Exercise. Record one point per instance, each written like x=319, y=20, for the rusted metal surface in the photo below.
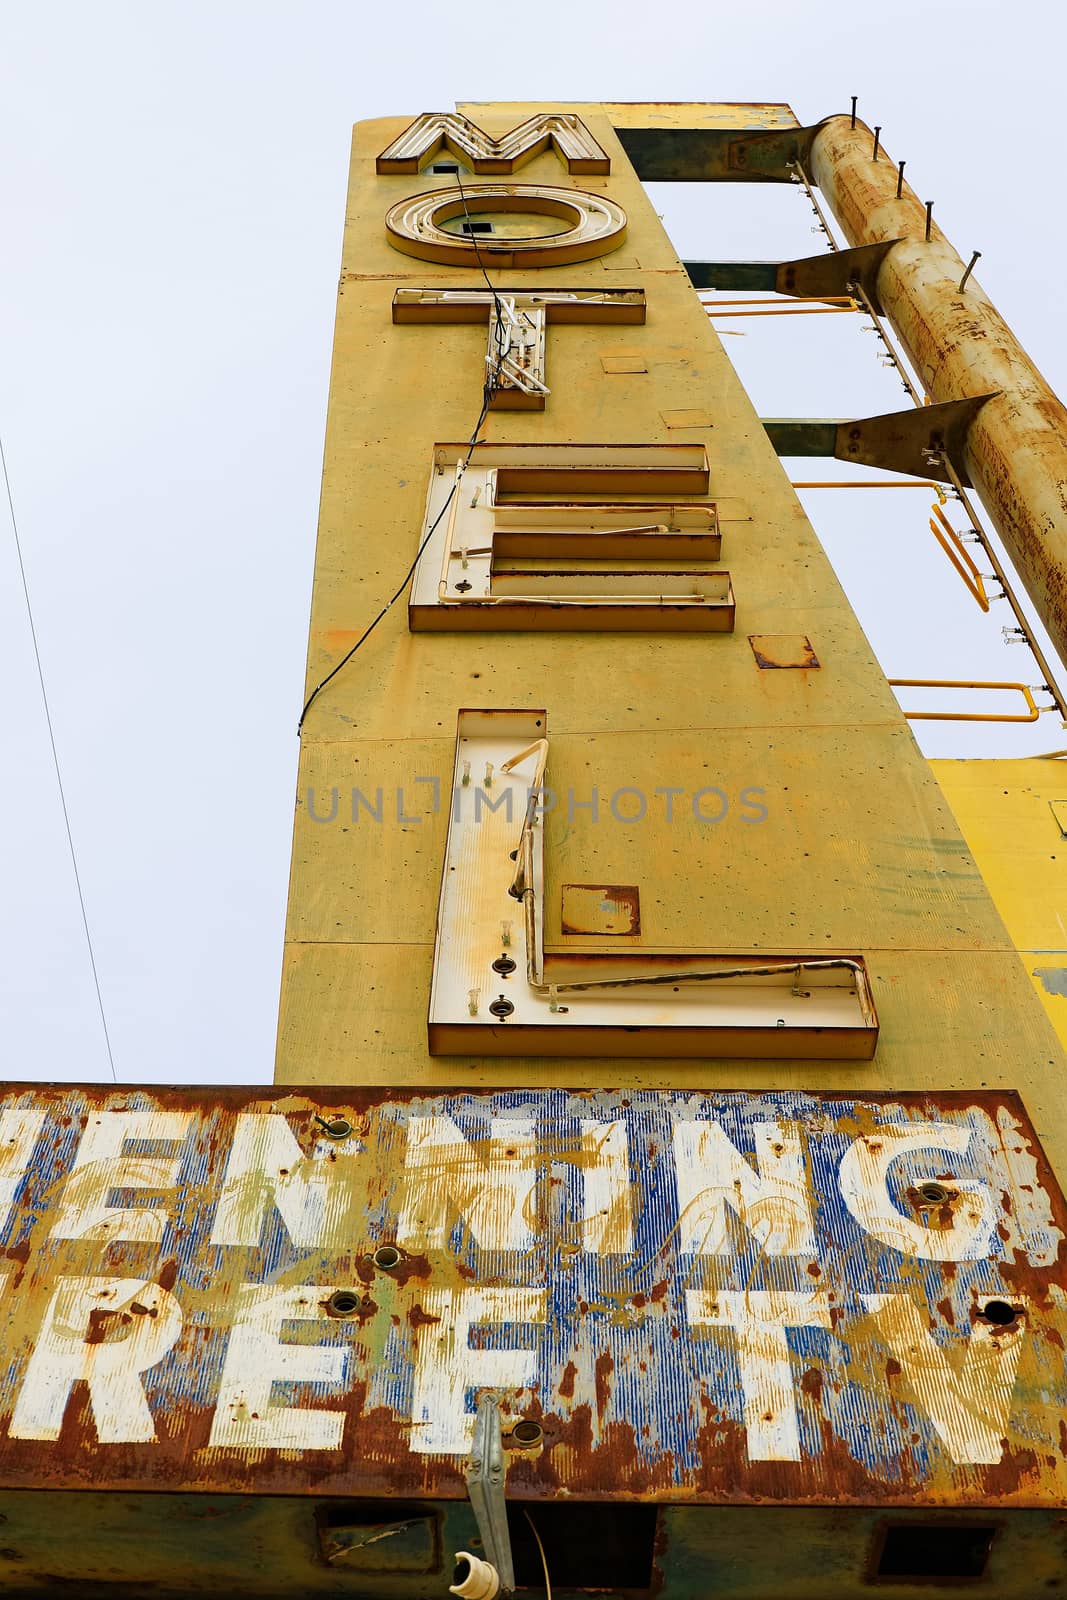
x=715, y=155
x=601, y=908
x=773, y=650
x=93, y=1545
x=715, y=1297
x=1016, y=446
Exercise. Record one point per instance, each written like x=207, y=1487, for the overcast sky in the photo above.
x=173, y=180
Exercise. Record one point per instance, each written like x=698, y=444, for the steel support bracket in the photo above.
x=916, y=442
x=485, y=1474
x=717, y=155
x=823, y=277
x=836, y=273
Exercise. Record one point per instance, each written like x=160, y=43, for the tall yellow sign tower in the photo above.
x=617, y=868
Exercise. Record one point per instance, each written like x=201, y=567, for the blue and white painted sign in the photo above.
x=716, y=1296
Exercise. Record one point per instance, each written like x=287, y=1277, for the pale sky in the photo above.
x=172, y=189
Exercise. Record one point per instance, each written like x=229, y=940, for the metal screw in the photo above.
x=900, y=180
x=877, y=137
x=929, y=218
x=853, y=122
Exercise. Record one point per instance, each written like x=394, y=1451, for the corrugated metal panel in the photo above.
x=720, y=1297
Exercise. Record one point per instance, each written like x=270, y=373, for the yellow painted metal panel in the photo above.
x=1012, y=815
x=858, y=849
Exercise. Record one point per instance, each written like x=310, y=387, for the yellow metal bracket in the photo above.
x=1033, y=710
x=959, y=555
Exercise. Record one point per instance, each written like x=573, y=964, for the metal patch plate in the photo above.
x=601, y=908
x=713, y=1297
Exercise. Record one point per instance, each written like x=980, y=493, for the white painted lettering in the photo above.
x=968, y=1404
x=488, y=1185
x=446, y=1366
x=101, y=1166
x=772, y=1202
x=267, y=1168
x=104, y=1332
x=607, y=1215
x=863, y=1179
x=759, y=1319
x=245, y=1417
x=19, y=1131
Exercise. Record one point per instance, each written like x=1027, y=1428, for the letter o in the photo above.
x=590, y=225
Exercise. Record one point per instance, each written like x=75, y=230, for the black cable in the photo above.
x=408, y=575
x=491, y=385
x=473, y=237
x=502, y=340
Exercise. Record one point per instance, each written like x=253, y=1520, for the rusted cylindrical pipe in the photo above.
x=1016, y=450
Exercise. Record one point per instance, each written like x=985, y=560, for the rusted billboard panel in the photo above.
x=708, y=1296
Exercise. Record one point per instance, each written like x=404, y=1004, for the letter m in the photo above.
x=434, y=131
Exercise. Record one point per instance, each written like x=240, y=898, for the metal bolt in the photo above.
x=854, y=99
x=929, y=218
x=900, y=180
x=527, y=1434
x=336, y=1127
x=344, y=1303
x=877, y=137
x=970, y=269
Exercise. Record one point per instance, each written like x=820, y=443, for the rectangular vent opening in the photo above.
x=477, y=227
x=598, y=1545
x=931, y=1552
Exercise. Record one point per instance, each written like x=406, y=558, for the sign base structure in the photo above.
x=262, y=1321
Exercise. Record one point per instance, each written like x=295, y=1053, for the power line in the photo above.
x=55, y=760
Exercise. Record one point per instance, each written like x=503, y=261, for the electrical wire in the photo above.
x=492, y=384
x=55, y=761
x=473, y=237
x=431, y=530
x=540, y=1546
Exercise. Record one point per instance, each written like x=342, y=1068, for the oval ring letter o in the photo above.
x=590, y=225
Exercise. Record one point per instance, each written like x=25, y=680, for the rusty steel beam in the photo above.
x=1015, y=451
